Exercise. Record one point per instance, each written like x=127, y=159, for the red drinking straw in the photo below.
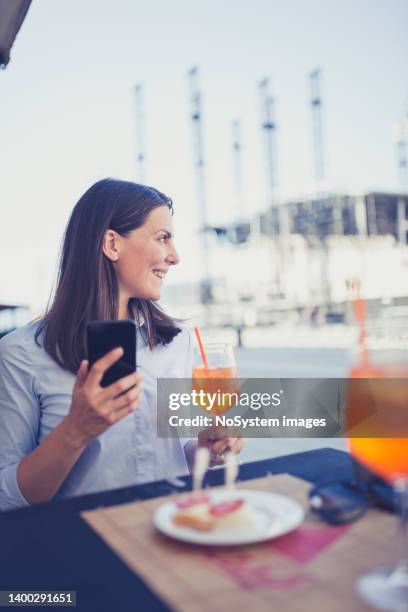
x=360, y=312
x=201, y=347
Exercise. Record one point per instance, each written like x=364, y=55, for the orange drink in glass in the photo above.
x=377, y=425
x=387, y=391
x=219, y=379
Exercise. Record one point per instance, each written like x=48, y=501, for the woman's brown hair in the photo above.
x=87, y=287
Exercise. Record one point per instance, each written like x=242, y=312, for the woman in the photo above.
x=60, y=435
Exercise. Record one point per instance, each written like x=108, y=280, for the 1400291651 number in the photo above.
x=39, y=598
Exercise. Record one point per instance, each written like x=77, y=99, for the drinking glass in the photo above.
x=377, y=423
x=219, y=376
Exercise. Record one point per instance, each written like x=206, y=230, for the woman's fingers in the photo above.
x=119, y=414
x=237, y=446
x=126, y=398
x=227, y=444
x=205, y=436
x=115, y=409
x=95, y=409
x=122, y=385
x=99, y=368
x=81, y=375
x=220, y=446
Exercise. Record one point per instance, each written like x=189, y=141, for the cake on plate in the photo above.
x=193, y=512
x=202, y=513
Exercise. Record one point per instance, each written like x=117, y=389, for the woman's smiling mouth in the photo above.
x=160, y=273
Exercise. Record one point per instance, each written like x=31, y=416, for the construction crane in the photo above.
x=199, y=165
x=140, y=145
x=239, y=233
x=316, y=102
x=268, y=126
x=401, y=140
x=237, y=158
x=319, y=175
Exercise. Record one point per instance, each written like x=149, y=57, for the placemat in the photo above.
x=314, y=567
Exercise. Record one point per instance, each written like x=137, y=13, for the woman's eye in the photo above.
x=163, y=239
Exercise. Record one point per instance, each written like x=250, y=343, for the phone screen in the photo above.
x=102, y=337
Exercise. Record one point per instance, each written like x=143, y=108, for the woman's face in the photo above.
x=145, y=255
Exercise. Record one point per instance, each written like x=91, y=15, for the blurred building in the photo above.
x=304, y=255
x=367, y=214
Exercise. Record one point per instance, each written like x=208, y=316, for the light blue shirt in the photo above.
x=35, y=395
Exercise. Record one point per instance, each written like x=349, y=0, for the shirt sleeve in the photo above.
x=19, y=419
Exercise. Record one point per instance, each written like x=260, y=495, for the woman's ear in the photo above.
x=110, y=246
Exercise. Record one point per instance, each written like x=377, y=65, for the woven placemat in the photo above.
x=313, y=568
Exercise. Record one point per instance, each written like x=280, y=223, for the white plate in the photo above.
x=274, y=515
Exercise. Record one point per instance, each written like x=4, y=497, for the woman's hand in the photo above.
x=94, y=408
x=218, y=446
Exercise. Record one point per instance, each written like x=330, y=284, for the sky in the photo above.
x=67, y=110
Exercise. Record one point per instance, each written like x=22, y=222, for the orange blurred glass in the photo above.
x=220, y=379
x=377, y=426
x=379, y=408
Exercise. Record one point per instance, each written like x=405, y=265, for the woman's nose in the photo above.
x=172, y=256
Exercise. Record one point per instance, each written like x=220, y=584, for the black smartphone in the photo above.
x=102, y=337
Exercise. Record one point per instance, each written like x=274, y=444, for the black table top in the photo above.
x=49, y=547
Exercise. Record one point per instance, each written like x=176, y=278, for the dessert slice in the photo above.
x=194, y=512
x=231, y=514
